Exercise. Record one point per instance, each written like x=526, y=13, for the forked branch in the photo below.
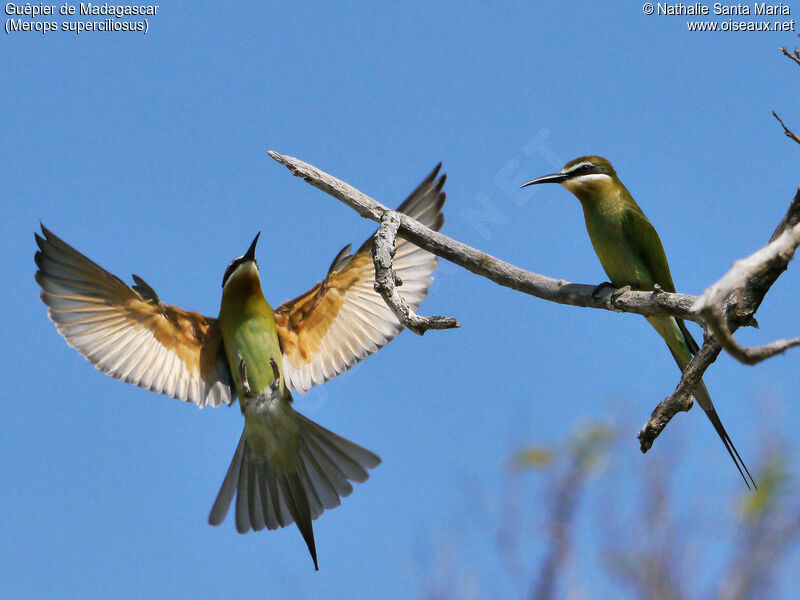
x=713, y=303
x=795, y=56
x=386, y=280
x=647, y=303
x=728, y=304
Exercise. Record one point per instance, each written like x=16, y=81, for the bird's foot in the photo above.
x=604, y=288
x=619, y=291
x=272, y=395
x=243, y=377
x=268, y=397
x=275, y=386
x=610, y=290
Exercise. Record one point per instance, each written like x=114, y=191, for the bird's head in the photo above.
x=243, y=268
x=586, y=177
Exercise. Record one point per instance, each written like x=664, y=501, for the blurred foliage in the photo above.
x=586, y=448
x=535, y=457
x=773, y=485
x=648, y=548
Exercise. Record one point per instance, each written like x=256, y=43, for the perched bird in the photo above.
x=632, y=255
x=286, y=468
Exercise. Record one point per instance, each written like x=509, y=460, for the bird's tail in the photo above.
x=275, y=494
x=704, y=400
x=682, y=346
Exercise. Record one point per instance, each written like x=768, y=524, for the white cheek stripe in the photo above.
x=592, y=177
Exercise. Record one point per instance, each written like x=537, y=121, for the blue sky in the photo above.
x=148, y=153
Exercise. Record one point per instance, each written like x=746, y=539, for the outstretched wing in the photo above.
x=127, y=332
x=342, y=319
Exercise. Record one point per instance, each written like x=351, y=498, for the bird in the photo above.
x=286, y=468
x=632, y=255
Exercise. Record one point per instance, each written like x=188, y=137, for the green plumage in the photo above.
x=286, y=468
x=249, y=335
x=632, y=255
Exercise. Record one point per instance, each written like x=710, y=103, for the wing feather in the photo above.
x=131, y=337
x=342, y=320
x=644, y=238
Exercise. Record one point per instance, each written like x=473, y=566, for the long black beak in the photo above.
x=251, y=251
x=552, y=178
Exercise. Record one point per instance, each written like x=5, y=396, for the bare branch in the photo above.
x=386, y=280
x=681, y=399
x=713, y=303
x=750, y=356
x=649, y=303
x=740, y=301
x=740, y=295
x=790, y=134
x=790, y=219
x=740, y=292
x=795, y=57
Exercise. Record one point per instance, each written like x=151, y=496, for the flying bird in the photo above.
x=632, y=255
x=286, y=469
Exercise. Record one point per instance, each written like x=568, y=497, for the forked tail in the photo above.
x=682, y=346
x=704, y=400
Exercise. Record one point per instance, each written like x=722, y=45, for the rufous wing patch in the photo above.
x=342, y=319
x=131, y=337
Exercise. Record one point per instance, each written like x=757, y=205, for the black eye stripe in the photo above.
x=231, y=268
x=588, y=169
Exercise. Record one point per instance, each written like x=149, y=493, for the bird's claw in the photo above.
x=243, y=377
x=276, y=381
x=609, y=289
x=618, y=292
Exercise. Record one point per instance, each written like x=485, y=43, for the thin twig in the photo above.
x=788, y=132
x=756, y=354
x=386, y=280
x=795, y=57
